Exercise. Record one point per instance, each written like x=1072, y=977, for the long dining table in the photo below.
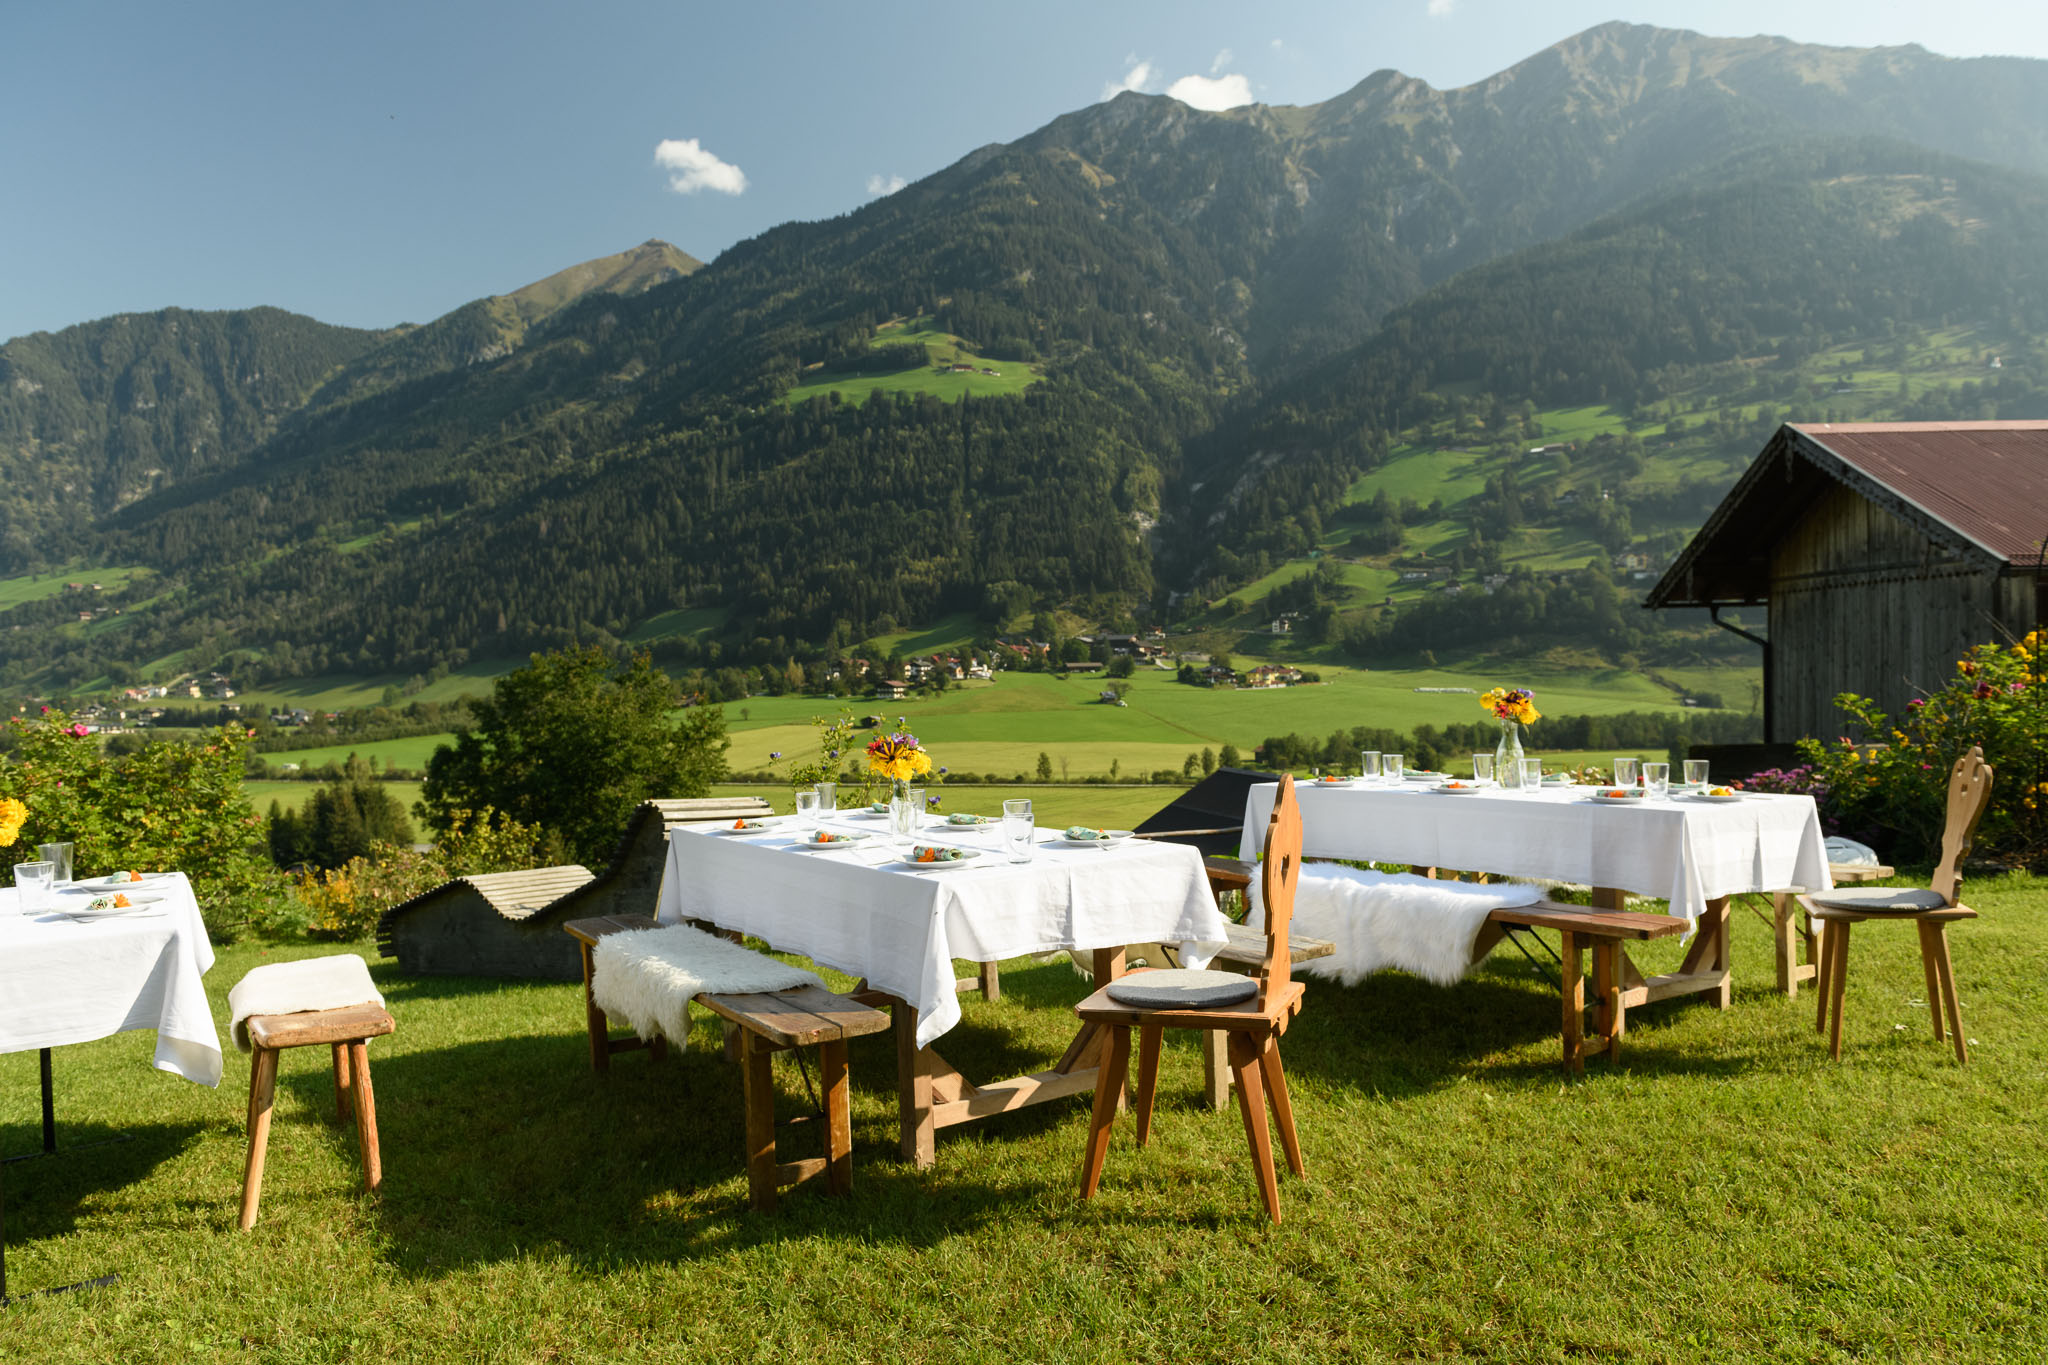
x=898, y=927
x=1694, y=854
x=66, y=980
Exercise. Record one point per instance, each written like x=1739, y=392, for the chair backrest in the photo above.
x=1279, y=871
x=1969, y=795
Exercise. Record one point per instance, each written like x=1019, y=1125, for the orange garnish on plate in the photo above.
x=134, y=876
x=121, y=901
x=927, y=855
x=739, y=824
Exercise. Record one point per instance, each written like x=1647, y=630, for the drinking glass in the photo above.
x=1369, y=765
x=828, y=797
x=1624, y=772
x=1695, y=772
x=59, y=857
x=1532, y=774
x=32, y=885
x=1482, y=767
x=1657, y=779
x=807, y=809
x=1019, y=834
x=1390, y=767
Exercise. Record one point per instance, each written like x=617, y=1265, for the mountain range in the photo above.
x=1131, y=363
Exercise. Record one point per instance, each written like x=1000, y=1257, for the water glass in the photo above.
x=1482, y=767
x=1624, y=772
x=1695, y=772
x=1532, y=774
x=32, y=885
x=807, y=809
x=1019, y=834
x=59, y=857
x=1657, y=779
x=828, y=797
x=1369, y=765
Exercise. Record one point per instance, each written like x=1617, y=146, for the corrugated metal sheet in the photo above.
x=1986, y=480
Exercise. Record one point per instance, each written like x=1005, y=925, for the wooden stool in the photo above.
x=348, y=1031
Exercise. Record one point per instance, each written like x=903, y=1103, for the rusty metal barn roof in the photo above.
x=1976, y=489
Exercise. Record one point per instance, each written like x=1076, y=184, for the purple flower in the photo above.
x=835, y=753
x=942, y=772
x=931, y=800
x=774, y=754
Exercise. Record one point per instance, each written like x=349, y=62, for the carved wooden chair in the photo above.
x=1251, y=1011
x=1930, y=911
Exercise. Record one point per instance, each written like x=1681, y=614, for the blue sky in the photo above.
x=370, y=163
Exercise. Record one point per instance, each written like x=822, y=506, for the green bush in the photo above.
x=170, y=804
x=1892, y=778
x=345, y=903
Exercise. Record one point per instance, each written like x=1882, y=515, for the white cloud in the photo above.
x=691, y=168
x=1203, y=92
x=1223, y=59
x=1441, y=9
x=1138, y=77
x=885, y=184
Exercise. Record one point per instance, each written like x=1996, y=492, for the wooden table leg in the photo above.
x=1216, y=1068
x=1783, y=911
x=1838, y=978
x=1574, y=993
x=913, y=1088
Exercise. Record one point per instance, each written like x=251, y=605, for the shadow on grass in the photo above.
x=46, y=1194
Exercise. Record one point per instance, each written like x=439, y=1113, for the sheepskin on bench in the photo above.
x=647, y=978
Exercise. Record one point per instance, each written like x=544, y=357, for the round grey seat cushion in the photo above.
x=1879, y=900
x=1182, y=989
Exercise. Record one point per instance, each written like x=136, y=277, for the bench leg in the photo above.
x=838, y=1117
x=757, y=1082
x=991, y=981
x=1607, y=1007
x=366, y=1114
x=262, y=1089
x=594, y=1020
x=1574, y=993
x=1838, y=980
x=1216, y=1068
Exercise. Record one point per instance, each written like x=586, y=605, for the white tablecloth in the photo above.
x=62, y=981
x=1687, y=852
x=901, y=929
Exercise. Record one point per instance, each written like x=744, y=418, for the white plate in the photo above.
x=968, y=855
x=1717, y=800
x=751, y=827
x=141, y=904
x=1423, y=775
x=1606, y=800
x=1462, y=789
x=970, y=822
x=98, y=884
x=1109, y=837
x=837, y=841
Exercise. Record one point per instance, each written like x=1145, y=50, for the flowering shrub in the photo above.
x=1897, y=779
x=172, y=804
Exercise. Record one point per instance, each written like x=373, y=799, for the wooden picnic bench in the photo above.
x=762, y=1024
x=1616, y=982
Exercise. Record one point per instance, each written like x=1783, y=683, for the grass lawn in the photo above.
x=294, y=795
x=41, y=586
x=410, y=752
x=1724, y=1194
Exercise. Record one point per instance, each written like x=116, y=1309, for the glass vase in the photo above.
x=1507, y=756
x=902, y=810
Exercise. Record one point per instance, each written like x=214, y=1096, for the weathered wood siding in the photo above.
x=456, y=932
x=1861, y=602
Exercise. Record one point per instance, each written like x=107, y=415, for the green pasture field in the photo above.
x=294, y=795
x=944, y=349
x=1724, y=1193
x=411, y=752
x=337, y=692
x=42, y=586
x=680, y=621
x=1002, y=727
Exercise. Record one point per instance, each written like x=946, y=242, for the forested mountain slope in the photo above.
x=1224, y=320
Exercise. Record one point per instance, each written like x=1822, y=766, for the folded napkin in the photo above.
x=317, y=983
x=1378, y=920
x=647, y=977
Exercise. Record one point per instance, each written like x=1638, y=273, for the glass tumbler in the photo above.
x=828, y=797
x=807, y=809
x=1657, y=780
x=59, y=857
x=1624, y=772
x=32, y=885
x=1369, y=765
x=1482, y=767
x=1390, y=767
x=1532, y=774
x=1019, y=834
x=1695, y=772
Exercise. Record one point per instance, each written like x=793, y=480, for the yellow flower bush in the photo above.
x=12, y=816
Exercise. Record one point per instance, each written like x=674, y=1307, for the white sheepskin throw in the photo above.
x=313, y=983
x=1379, y=920
x=647, y=977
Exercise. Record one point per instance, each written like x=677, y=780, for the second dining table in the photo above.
x=1692, y=853
x=861, y=909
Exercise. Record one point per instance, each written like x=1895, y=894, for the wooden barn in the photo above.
x=1881, y=551
x=510, y=923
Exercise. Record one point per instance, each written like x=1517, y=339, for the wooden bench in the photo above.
x=1616, y=983
x=763, y=1024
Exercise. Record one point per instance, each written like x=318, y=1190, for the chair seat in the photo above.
x=1181, y=988
x=1880, y=900
x=313, y=1027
